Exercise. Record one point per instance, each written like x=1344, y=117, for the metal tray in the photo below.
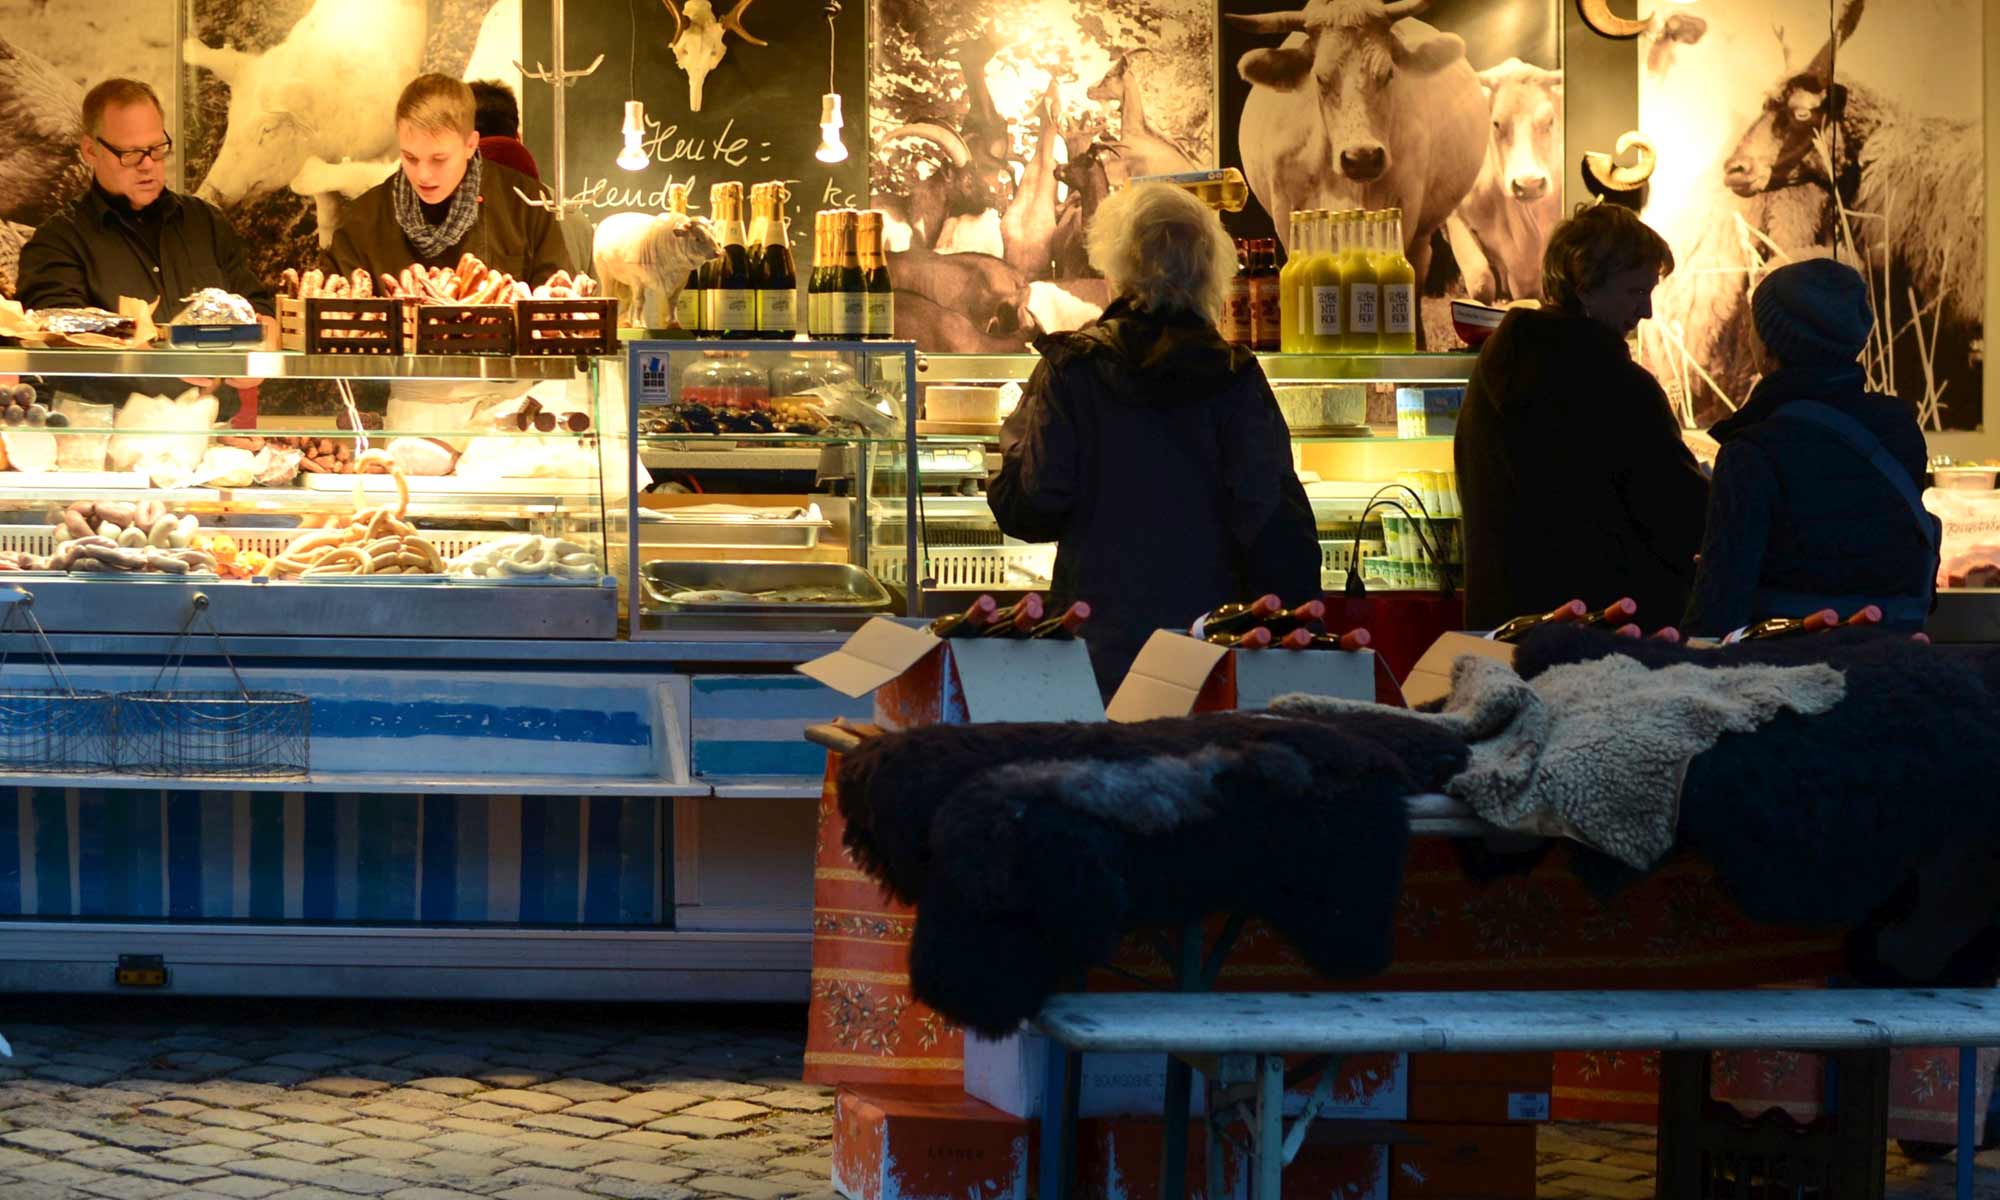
x=668, y=527
x=758, y=577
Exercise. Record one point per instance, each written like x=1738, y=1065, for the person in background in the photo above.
x=1150, y=450
x=447, y=200
x=1571, y=470
x=1817, y=499
x=497, y=117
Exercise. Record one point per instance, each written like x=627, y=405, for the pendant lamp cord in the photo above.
x=832, y=11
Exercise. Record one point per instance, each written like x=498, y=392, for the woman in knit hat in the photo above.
x=1817, y=499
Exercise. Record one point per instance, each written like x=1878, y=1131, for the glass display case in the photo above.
x=342, y=495
x=1371, y=440
x=777, y=485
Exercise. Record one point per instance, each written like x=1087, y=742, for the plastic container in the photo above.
x=723, y=379
x=964, y=405
x=1965, y=479
x=77, y=451
x=804, y=372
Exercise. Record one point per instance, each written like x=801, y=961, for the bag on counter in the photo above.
x=169, y=435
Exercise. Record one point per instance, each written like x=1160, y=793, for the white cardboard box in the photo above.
x=1008, y=1075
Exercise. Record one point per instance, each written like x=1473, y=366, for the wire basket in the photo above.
x=50, y=731
x=237, y=734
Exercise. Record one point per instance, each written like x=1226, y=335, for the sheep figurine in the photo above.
x=643, y=259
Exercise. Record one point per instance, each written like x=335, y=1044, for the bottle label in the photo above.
x=1325, y=309
x=851, y=313
x=1361, y=302
x=735, y=309
x=709, y=312
x=881, y=314
x=687, y=309
x=815, y=313
x=778, y=311
x=1398, y=308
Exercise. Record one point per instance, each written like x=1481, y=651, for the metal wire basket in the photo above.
x=50, y=731
x=237, y=734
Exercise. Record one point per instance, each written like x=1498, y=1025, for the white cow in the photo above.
x=328, y=91
x=1503, y=224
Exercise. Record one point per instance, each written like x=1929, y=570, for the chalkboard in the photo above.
x=759, y=118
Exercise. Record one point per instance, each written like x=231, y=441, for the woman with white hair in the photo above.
x=1150, y=450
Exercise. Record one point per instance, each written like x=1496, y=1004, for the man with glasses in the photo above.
x=129, y=235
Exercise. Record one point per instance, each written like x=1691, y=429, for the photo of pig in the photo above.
x=1823, y=127
x=1450, y=110
x=997, y=127
x=48, y=58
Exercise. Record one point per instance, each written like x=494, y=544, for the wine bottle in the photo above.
x=879, y=305
x=734, y=300
x=1869, y=615
x=1064, y=628
x=851, y=290
x=1017, y=620
x=1667, y=634
x=1231, y=618
x=1778, y=627
x=1512, y=631
x=1351, y=641
x=777, y=278
x=816, y=280
x=1285, y=622
x=1620, y=613
x=687, y=305
x=1255, y=638
x=967, y=623
x=1298, y=639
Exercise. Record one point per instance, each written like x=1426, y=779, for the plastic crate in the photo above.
x=966, y=568
x=484, y=329
x=552, y=327
x=1710, y=1151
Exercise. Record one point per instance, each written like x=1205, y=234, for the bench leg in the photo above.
x=1173, y=1140
x=1968, y=1097
x=1062, y=1091
x=1270, y=1155
x=1684, y=1078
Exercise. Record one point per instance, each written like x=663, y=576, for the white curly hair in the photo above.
x=1164, y=249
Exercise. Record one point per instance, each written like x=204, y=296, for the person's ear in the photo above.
x=472, y=143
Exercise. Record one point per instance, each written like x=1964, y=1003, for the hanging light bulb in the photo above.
x=831, y=148
x=634, y=157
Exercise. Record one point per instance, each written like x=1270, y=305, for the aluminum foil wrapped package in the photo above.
x=85, y=320
x=213, y=306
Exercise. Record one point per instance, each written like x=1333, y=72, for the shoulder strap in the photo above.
x=1870, y=447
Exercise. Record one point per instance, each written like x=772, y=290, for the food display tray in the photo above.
x=671, y=527
x=660, y=578
x=385, y=485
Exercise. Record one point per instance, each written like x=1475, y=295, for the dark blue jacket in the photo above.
x=1795, y=509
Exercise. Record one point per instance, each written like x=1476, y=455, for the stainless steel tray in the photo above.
x=663, y=579
x=666, y=527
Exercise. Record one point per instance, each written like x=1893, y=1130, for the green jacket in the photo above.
x=509, y=235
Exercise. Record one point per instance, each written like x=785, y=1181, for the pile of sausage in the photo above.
x=318, y=456
x=315, y=283
x=470, y=282
x=118, y=537
x=374, y=541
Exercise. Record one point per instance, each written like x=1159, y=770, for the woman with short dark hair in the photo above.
x=1571, y=470
x=1150, y=450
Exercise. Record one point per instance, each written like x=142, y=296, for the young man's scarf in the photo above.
x=430, y=240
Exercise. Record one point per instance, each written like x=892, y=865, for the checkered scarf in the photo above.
x=430, y=240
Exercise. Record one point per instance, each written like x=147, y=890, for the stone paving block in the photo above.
x=307, y=1061
x=463, y=1124
x=61, y=1174
x=243, y=1187
x=538, y=1102
x=604, y=1071
x=428, y=1193
x=174, y=1108
x=300, y=1110
x=469, y=1143
x=344, y=1085
x=627, y=1189
x=384, y=1049
x=575, y=1159
x=646, y=1137
x=391, y=1149
x=622, y=1112
x=539, y=1191
x=808, y=1164
x=228, y=1093
x=103, y=1062
x=233, y=1119
x=463, y=1165
x=305, y=1152
x=234, y=1139
x=105, y=1158
x=421, y=1105
x=435, y=1064
x=308, y=1131
x=581, y=1090
x=175, y=1172
x=53, y=1141
x=85, y=1076
x=356, y=1182
x=126, y=1187
x=481, y=1110
x=632, y=1152
x=135, y=1135
x=512, y=1078
x=745, y=1189
x=796, y=1101
x=204, y=1156
x=279, y=1076
x=642, y=1172
x=726, y=1110
x=382, y=1073
x=573, y=1126
x=381, y=1128
x=520, y=1176
x=449, y=1085
x=662, y=1101
x=701, y=1127
x=11, y=1158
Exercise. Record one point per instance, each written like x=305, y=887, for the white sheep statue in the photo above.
x=643, y=260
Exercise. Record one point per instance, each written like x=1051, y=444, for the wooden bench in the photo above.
x=1239, y=1041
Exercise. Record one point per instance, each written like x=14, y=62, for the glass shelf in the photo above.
x=1279, y=368
x=766, y=441
x=1378, y=439
x=316, y=432
x=282, y=364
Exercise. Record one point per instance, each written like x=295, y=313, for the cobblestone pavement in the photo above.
x=144, y=1098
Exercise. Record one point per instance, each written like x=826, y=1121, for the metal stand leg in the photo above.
x=1062, y=1088
x=1270, y=1126
x=1180, y=1076
x=1968, y=1097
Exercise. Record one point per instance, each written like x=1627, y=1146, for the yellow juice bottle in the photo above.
x=1399, y=288
x=1360, y=287
x=1289, y=320
x=1322, y=277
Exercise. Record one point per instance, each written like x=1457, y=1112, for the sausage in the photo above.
x=313, y=466
x=288, y=282
x=74, y=524
x=363, y=283
x=116, y=512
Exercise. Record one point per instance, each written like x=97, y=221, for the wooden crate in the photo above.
x=459, y=329
x=337, y=325
x=551, y=327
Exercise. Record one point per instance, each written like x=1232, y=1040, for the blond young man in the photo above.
x=447, y=200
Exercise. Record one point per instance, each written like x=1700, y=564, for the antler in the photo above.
x=679, y=22
x=734, y=24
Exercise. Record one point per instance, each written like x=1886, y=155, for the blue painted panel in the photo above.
x=754, y=725
x=10, y=852
x=320, y=850
x=440, y=857
x=52, y=870
x=267, y=856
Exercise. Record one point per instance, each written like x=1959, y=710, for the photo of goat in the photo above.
x=996, y=128
x=1802, y=127
x=1450, y=110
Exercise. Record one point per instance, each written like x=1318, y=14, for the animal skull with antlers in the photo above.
x=697, y=43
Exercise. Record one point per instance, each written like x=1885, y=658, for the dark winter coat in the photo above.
x=1797, y=510
x=98, y=249
x=509, y=234
x=1153, y=453
x=1573, y=477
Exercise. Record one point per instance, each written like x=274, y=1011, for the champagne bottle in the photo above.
x=1512, y=631
x=1285, y=622
x=1619, y=614
x=1298, y=639
x=777, y=279
x=1667, y=634
x=967, y=623
x=1255, y=638
x=753, y=242
x=850, y=289
x=687, y=305
x=1351, y=641
x=1868, y=615
x=1778, y=627
x=1064, y=627
x=879, y=312
x=1399, y=289
x=1359, y=283
x=816, y=280
x=1017, y=620
x=711, y=271
x=1231, y=618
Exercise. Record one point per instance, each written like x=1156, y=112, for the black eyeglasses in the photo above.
x=132, y=158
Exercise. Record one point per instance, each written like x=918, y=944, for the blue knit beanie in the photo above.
x=1813, y=312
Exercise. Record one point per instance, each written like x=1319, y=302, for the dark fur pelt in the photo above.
x=1030, y=849
x=1822, y=820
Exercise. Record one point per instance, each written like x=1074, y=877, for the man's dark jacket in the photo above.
x=95, y=251
x=509, y=234
x=1153, y=453
x=1573, y=476
x=1797, y=510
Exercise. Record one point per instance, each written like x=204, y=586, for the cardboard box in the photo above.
x=1119, y=1158
x=1481, y=1088
x=1008, y=1074
x=1430, y=679
x=919, y=679
x=1175, y=675
x=927, y=1144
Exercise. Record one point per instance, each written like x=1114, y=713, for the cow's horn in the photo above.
x=734, y=24
x=1604, y=170
x=1598, y=15
x=947, y=140
x=1277, y=22
x=1397, y=9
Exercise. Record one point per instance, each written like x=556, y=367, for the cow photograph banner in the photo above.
x=1794, y=128
x=996, y=126
x=1450, y=110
